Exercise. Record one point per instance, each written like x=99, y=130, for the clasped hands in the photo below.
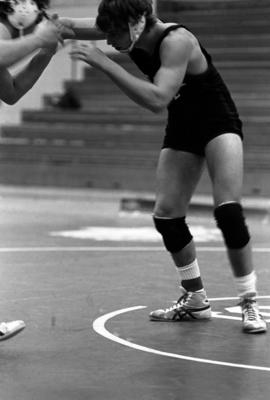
x=52, y=30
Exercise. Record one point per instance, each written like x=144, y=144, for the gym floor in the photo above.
x=84, y=276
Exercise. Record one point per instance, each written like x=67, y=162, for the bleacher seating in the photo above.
x=113, y=143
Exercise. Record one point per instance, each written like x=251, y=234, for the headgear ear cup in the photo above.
x=135, y=31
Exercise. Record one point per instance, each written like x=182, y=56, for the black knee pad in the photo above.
x=174, y=231
x=231, y=221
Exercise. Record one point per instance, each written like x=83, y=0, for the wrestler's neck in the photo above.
x=15, y=33
x=150, y=38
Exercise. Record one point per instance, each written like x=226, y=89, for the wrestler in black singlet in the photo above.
x=201, y=110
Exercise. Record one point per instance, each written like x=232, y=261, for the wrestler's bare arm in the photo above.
x=83, y=28
x=156, y=95
x=14, y=86
x=14, y=50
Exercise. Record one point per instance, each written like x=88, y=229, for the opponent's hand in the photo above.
x=66, y=27
x=48, y=33
x=89, y=54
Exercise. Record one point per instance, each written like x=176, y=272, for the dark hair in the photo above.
x=6, y=7
x=114, y=15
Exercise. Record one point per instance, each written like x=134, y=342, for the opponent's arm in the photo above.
x=175, y=54
x=14, y=50
x=81, y=29
x=13, y=87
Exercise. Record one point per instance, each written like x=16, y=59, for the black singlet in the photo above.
x=202, y=109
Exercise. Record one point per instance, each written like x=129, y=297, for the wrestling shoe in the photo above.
x=191, y=306
x=9, y=329
x=253, y=321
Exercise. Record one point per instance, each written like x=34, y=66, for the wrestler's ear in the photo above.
x=138, y=26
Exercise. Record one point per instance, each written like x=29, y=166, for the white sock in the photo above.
x=190, y=271
x=246, y=284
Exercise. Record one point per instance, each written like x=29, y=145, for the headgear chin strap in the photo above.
x=135, y=32
x=25, y=13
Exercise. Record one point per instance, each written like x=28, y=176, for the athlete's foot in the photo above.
x=10, y=329
x=191, y=306
x=253, y=321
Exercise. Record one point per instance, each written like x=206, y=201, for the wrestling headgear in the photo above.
x=135, y=32
x=24, y=13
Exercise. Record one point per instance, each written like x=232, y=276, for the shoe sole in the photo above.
x=13, y=333
x=254, y=331
x=158, y=319
x=179, y=320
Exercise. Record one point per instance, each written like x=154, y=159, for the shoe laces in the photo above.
x=184, y=298
x=250, y=309
x=179, y=303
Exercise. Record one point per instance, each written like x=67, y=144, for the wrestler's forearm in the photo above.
x=142, y=92
x=12, y=51
x=29, y=75
x=83, y=28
